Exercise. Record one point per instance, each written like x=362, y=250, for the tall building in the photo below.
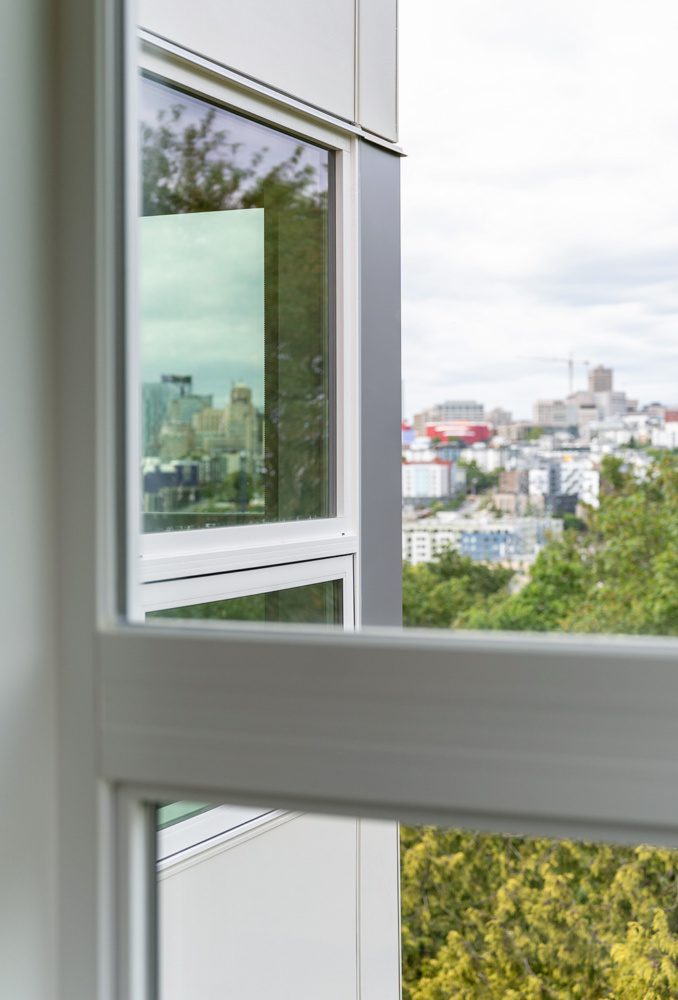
x=600, y=379
x=499, y=416
x=451, y=409
x=551, y=413
x=241, y=420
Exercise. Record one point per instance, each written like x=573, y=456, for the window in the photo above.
x=241, y=372
x=551, y=735
x=236, y=326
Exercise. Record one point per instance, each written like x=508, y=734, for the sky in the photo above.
x=540, y=198
x=203, y=274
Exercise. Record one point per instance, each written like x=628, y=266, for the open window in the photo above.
x=243, y=475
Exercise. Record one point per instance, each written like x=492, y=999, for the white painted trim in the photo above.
x=223, y=586
x=569, y=736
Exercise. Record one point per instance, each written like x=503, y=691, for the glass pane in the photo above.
x=540, y=473
x=469, y=916
x=259, y=903
x=175, y=812
x=235, y=326
x=312, y=604
x=488, y=916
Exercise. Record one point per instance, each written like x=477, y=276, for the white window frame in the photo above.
x=163, y=555
x=557, y=735
x=224, y=586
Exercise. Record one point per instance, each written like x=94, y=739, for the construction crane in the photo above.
x=570, y=361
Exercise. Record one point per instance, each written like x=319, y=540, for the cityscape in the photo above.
x=199, y=458
x=497, y=489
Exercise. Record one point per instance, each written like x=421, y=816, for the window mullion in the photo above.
x=573, y=737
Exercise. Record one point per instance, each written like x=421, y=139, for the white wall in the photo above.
x=277, y=910
x=27, y=510
x=315, y=51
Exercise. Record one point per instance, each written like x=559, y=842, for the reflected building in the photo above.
x=155, y=400
x=242, y=421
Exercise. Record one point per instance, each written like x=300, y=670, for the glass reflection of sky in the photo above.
x=201, y=298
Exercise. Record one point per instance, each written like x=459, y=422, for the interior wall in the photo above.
x=28, y=825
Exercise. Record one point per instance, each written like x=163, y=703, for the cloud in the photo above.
x=201, y=299
x=540, y=209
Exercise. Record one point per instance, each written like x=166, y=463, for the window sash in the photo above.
x=168, y=554
x=175, y=593
x=565, y=736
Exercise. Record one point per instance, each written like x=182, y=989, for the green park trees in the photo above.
x=486, y=916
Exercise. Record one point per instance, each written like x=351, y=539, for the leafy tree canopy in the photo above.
x=513, y=918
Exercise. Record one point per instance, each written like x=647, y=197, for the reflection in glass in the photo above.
x=313, y=604
x=235, y=325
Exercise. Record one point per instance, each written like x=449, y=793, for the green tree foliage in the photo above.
x=435, y=594
x=531, y=919
x=512, y=918
x=619, y=576
x=478, y=481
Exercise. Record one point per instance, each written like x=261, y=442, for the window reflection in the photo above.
x=234, y=317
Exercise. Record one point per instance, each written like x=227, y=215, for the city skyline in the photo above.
x=540, y=211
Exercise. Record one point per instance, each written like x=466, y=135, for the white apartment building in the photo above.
x=539, y=482
x=551, y=413
x=484, y=539
x=427, y=480
x=487, y=458
x=579, y=477
x=456, y=409
x=666, y=436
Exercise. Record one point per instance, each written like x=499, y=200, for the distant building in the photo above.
x=457, y=409
x=500, y=417
x=427, y=480
x=579, y=478
x=483, y=539
x=461, y=430
x=613, y=404
x=241, y=420
x=155, y=400
x=551, y=413
x=451, y=409
x=406, y=433
x=600, y=379
x=514, y=481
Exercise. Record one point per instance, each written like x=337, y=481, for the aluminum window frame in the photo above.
x=557, y=735
x=181, y=553
x=182, y=591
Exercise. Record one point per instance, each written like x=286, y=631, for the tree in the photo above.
x=516, y=917
x=620, y=576
x=486, y=916
x=435, y=594
x=481, y=481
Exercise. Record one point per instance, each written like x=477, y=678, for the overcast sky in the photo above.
x=201, y=300
x=540, y=197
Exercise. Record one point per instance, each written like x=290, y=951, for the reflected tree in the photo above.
x=193, y=165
